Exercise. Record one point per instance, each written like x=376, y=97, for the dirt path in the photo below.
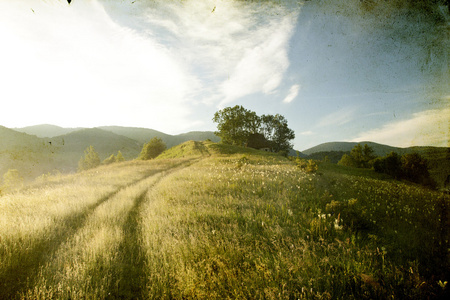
x=129, y=276
x=17, y=278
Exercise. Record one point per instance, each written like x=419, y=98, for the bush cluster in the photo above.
x=412, y=167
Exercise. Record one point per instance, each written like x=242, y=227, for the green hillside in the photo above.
x=379, y=149
x=30, y=155
x=144, y=135
x=211, y=221
x=438, y=157
x=141, y=135
x=72, y=145
x=40, y=149
x=46, y=130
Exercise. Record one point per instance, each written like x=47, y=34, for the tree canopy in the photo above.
x=90, y=160
x=239, y=126
x=359, y=157
x=152, y=149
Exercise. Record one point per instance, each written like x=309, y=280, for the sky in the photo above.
x=336, y=70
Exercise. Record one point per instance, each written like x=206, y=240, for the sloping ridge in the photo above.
x=186, y=149
x=104, y=142
x=30, y=155
x=144, y=135
x=379, y=149
x=46, y=130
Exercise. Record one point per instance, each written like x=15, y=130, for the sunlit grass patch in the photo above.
x=240, y=225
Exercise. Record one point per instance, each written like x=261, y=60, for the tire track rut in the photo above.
x=129, y=277
x=17, y=277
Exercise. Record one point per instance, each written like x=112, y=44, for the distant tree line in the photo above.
x=359, y=157
x=412, y=167
x=91, y=158
x=239, y=126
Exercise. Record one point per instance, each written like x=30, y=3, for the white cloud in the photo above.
x=293, y=92
x=239, y=48
x=426, y=128
x=74, y=66
x=337, y=118
x=306, y=133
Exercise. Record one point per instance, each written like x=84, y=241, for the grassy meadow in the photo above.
x=210, y=221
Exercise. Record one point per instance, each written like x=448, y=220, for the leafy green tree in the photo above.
x=152, y=149
x=282, y=134
x=415, y=169
x=236, y=124
x=239, y=126
x=90, y=160
x=360, y=157
x=368, y=156
x=119, y=157
x=391, y=164
x=357, y=155
x=348, y=161
x=258, y=141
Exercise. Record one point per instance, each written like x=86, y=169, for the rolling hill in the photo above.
x=46, y=130
x=144, y=135
x=438, y=157
x=72, y=145
x=39, y=149
x=30, y=155
x=379, y=149
x=35, y=150
x=214, y=221
x=141, y=135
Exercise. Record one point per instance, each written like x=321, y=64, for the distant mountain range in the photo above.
x=39, y=149
x=35, y=150
x=379, y=149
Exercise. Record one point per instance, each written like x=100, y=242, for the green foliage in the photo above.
x=152, y=149
x=410, y=166
x=119, y=157
x=236, y=124
x=238, y=223
x=239, y=126
x=111, y=159
x=308, y=165
x=350, y=214
x=90, y=160
x=347, y=161
x=359, y=157
x=415, y=167
x=391, y=165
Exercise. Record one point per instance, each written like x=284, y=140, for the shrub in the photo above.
x=391, y=165
x=309, y=166
x=152, y=149
x=412, y=167
x=90, y=160
x=347, y=161
x=111, y=159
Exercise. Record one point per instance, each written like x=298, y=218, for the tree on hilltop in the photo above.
x=90, y=160
x=152, y=149
x=236, y=124
x=119, y=157
x=239, y=126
